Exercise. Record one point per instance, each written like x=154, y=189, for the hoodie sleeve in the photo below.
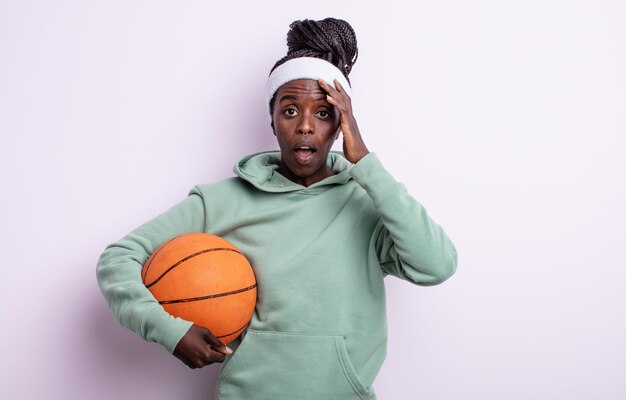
x=407, y=242
x=119, y=273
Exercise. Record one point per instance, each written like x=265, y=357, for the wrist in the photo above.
x=358, y=157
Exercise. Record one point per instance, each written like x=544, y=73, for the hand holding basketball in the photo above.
x=199, y=348
x=206, y=280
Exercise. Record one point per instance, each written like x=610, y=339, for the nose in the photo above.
x=305, y=125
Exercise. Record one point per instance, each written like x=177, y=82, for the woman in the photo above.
x=321, y=230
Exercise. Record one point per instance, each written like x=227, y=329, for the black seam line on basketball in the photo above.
x=211, y=296
x=237, y=331
x=161, y=247
x=187, y=258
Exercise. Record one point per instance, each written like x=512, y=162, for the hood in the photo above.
x=260, y=170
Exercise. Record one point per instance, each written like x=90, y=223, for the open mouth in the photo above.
x=304, y=152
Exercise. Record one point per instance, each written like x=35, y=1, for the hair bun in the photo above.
x=330, y=39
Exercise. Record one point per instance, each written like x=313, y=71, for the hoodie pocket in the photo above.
x=276, y=365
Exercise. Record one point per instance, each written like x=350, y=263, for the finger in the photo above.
x=215, y=343
x=185, y=360
x=216, y=357
x=334, y=87
x=328, y=88
x=323, y=84
x=338, y=86
x=332, y=101
x=208, y=357
x=337, y=93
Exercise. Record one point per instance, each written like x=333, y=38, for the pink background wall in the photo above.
x=506, y=119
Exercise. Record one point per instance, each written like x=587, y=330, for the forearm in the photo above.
x=408, y=242
x=119, y=273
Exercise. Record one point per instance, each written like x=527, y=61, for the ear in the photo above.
x=272, y=115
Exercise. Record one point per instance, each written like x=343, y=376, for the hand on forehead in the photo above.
x=303, y=68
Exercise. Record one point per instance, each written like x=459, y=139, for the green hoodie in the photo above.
x=319, y=253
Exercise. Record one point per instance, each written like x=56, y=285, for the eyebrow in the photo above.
x=296, y=97
x=288, y=97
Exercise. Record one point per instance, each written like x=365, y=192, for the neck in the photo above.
x=305, y=181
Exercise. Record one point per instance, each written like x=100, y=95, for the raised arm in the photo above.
x=407, y=242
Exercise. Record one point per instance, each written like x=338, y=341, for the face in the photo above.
x=306, y=126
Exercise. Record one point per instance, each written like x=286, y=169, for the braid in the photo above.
x=330, y=39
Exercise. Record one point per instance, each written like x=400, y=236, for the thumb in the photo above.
x=215, y=343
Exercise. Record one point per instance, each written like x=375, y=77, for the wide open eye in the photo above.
x=324, y=114
x=290, y=112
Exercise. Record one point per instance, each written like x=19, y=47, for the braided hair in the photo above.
x=330, y=39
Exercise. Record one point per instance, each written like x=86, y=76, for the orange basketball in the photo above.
x=204, y=279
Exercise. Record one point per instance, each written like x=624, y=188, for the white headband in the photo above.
x=304, y=68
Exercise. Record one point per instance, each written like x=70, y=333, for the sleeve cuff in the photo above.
x=165, y=329
x=372, y=176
